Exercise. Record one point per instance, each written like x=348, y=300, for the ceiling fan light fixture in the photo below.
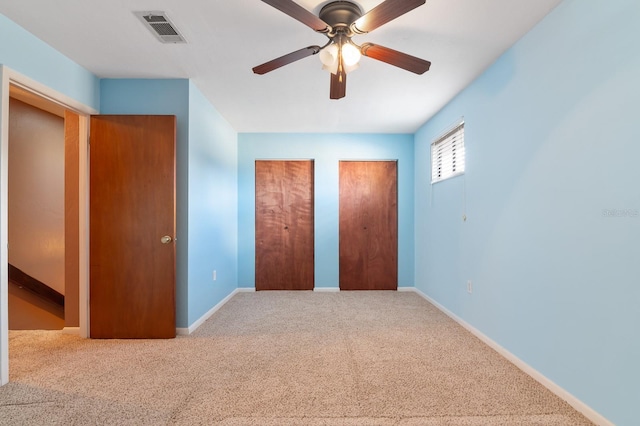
x=333, y=69
x=350, y=55
x=330, y=57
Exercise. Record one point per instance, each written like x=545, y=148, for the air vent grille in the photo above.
x=160, y=26
x=164, y=29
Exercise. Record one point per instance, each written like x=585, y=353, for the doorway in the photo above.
x=8, y=79
x=36, y=218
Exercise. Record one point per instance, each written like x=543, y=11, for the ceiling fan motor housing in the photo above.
x=340, y=13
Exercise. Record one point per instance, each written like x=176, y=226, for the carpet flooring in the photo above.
x=281, y=358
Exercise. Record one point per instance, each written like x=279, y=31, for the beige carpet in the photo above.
x=281, y=358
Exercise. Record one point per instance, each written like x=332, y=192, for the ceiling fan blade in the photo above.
x=383, y=13
x=338, y=85
x=286, y=59
x=395, y=58
x=301, y=14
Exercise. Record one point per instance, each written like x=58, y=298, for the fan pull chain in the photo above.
x=340, y=70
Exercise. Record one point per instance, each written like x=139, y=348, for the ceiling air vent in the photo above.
x=161, y=27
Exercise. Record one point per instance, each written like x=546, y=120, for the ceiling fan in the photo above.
x=340, y=21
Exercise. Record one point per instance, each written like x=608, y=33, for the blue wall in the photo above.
x=326, y=150
x=552, y=195
x=213, y=206
x=206, y=183
x=30, y=56
x=162, y=97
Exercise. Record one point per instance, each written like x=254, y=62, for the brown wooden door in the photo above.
x=132, y=207
x=284, y=225
x=368, y=225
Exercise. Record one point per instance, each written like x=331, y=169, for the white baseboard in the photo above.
x=193, y=327
x=326, y=289
x=578, y=405
x=71, y=330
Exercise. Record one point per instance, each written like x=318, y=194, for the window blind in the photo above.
x=447, y=154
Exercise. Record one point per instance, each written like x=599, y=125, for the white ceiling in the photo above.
x=227, y=38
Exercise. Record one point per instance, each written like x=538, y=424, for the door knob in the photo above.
x=166, y=239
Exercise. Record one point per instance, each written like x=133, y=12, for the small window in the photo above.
x=447, y=154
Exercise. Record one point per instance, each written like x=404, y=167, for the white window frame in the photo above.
x=448, y=157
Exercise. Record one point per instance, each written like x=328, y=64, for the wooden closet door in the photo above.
x=368, y=225
x=284, y=225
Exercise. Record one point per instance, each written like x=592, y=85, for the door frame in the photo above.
x=10, y=77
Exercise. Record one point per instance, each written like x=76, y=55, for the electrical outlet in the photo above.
x=469, y=287
x=215, y=275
